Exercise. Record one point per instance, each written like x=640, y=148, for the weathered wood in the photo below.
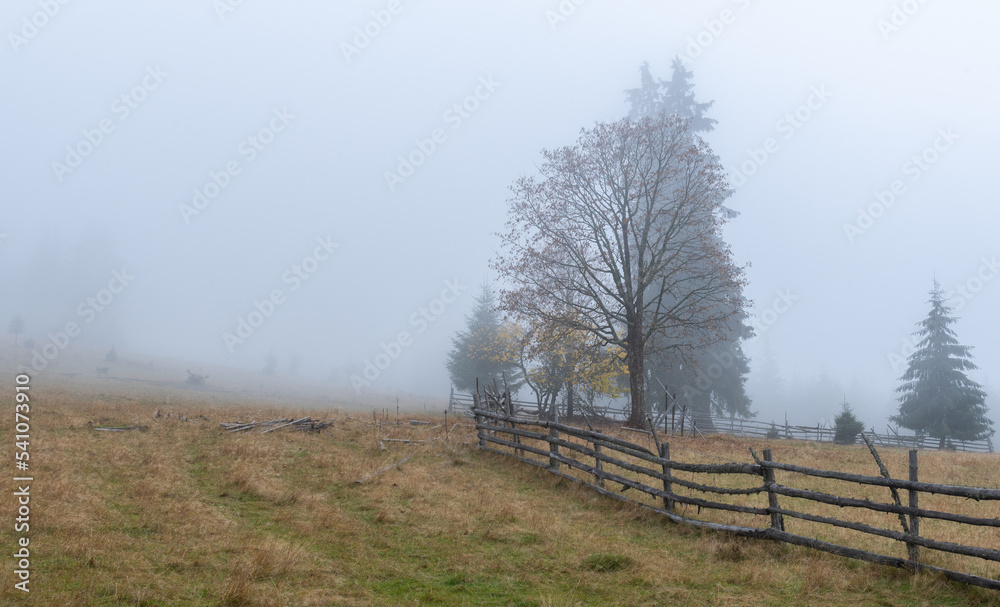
x=914, y=502
x=513, y=445
x=659, y=493
x=736, y=530
x=641, y=452
x=598, y=464
x=517, y=432
x=976, y=493
x=659, y=475
x=983, y=553
x=578, y=432
x=298, y=421
x=826, y=498
x=766, y=469
x=382, y=471
x=808, y=542
x=668, y=488
x=885, y=474
x=777, y=522
x=553, y=448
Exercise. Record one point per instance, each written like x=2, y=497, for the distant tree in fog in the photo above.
x=270, y=363
x=709, y=379
x=294, y=362
x=486, y=350
x=674, y=96
x=15, y=327
x=937, y=398
x=627, y=221
x=846, y=427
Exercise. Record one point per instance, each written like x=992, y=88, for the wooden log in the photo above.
x=578, y=432
x=659, y=475
x=382, y=471
x=513, y=445
x=553, y=448
x=914, y=503
x=298, y=421
x=659, y=493
x=518, y=432
x=476, y=415
x=668, y=488
x=976, y=493
x=983, y=553
x=880, y=507
x=731, y=468
x=777, y=522
x=734, y=529
x=885, y=474
x=598, y=465
x=773, y=534
x=863, y=555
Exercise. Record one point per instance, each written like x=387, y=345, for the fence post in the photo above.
x=683, y=415
x=475, y=412
x=777, y=521
x=913, y=549
x=668, y=487
x=553, y=449
x=598, y=464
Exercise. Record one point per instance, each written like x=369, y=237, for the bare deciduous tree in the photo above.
x=619, y=236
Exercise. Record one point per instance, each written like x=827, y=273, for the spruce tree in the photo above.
x=688, y=373
x=846, y=427
x=937, y=399
x=486, y=351
x=678, y=98
x=674, y=96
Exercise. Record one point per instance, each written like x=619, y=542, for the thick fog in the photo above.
x=175, y=169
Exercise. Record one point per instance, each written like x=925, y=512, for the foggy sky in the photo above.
x=880, y=81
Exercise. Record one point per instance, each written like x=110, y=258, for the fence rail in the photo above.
x=678, y=420
x=612, y=461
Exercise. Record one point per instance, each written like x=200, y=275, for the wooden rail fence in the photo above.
x=611, y=462
x=678, y=420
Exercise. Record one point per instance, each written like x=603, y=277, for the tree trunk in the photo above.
x=636, y=380
x=569, y=400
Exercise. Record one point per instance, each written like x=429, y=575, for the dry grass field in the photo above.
x=184, y=514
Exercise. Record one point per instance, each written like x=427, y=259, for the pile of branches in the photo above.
x=305, y=424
